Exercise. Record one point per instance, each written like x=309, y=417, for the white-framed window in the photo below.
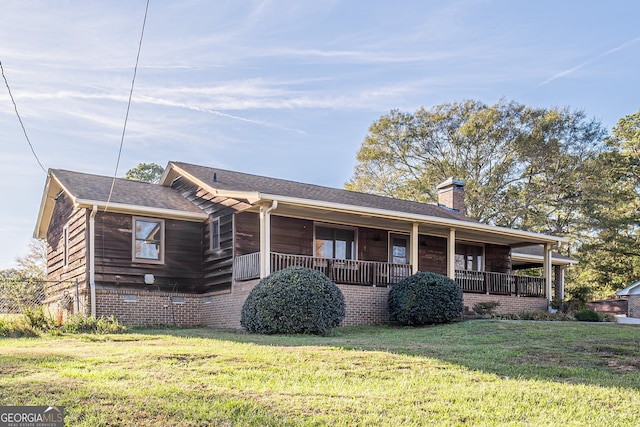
x=214, y=234
x=65, y=245
x=148, y=240
x=469, y=257
x=335, y=242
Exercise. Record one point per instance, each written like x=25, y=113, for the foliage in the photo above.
x=18, y=291
x=146, y=172
x=425, y=298
x=16, y=326
x=487, y=308
x=80, y=323
x=34, y=264
x=587, y=315
x=483, y=373
x=542, y=315
x=37, y=318
x=523, y=167
x=610, y=251
x=294, y=300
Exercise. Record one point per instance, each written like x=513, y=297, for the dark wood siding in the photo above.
x=217, y=265
x=432, y=254
x=247, y=230
x=497, y=258
x=373, y=245
x=64, y=214
x=291, y=235
x=182, y=268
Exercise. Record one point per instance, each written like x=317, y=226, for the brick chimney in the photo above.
x=451, y=195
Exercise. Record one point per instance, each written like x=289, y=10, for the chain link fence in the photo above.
x=18, y=295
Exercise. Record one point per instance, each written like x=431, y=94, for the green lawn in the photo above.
x=470, y=373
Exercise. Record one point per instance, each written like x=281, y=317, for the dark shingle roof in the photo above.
x=96, y=188
x=237, y=181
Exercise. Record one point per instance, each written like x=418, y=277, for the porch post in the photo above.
x=414, y=248
x=265, y=238
x=451, y=254
x=546, y=267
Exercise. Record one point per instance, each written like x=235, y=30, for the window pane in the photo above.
x=215, y=234
x=148, y=238
x=324, y=248
x=336, y=243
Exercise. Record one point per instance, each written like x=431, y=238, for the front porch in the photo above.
x=372, y=273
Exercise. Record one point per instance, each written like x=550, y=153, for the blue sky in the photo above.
x=280, y=88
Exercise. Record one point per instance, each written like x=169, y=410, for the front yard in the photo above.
x=469, y=373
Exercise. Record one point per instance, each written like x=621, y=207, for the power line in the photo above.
x=126, y=117
x=15, y=107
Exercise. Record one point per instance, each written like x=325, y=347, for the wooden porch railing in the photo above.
x=247, y=267
x=500, y=283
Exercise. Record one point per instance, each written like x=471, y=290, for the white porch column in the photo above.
x=413, y=252
x=265, y=238
x=451, y=254
x=546, y=270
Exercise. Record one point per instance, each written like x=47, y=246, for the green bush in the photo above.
x=587, y=315
x=487, y=308
x=80, y=323
x=15, y=327
x=425, y=298
x=293, y=301
x=37, y=318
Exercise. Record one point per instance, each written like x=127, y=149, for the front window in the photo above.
x=469, y=257
x=148, y=240
x=339, y=243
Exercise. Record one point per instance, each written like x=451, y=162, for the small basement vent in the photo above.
x=130, y=298
x=177, y=300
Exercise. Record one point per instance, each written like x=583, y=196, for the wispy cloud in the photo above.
x=589, y=61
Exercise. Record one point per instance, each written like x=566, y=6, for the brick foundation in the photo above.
x=365, y=305
x=508, y=304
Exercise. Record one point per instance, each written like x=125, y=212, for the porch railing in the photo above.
x=247, y=267
x=500, y=283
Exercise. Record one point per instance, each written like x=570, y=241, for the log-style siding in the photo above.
x=497, y=258
x=65, y=214
x=182, y=267
x=432, y=254
x=247, y=233
x=373, y=245
x=217, y=265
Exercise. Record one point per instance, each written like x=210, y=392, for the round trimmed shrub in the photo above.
x=425, y=298
x=295, y=300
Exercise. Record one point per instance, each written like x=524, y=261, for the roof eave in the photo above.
x=453, y=223
x=142, y=210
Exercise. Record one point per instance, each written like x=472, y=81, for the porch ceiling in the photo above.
x=465, y=230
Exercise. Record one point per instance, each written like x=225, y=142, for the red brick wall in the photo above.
x=150, y=308
x=508, y=304
x=223, y=310
x=365, y=305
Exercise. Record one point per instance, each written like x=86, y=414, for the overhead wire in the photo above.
x=24, y=130
x=126, y=117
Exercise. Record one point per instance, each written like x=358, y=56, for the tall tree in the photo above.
x=610, y=253
x=34, y=263
x=147, y=172
x=523, y=167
